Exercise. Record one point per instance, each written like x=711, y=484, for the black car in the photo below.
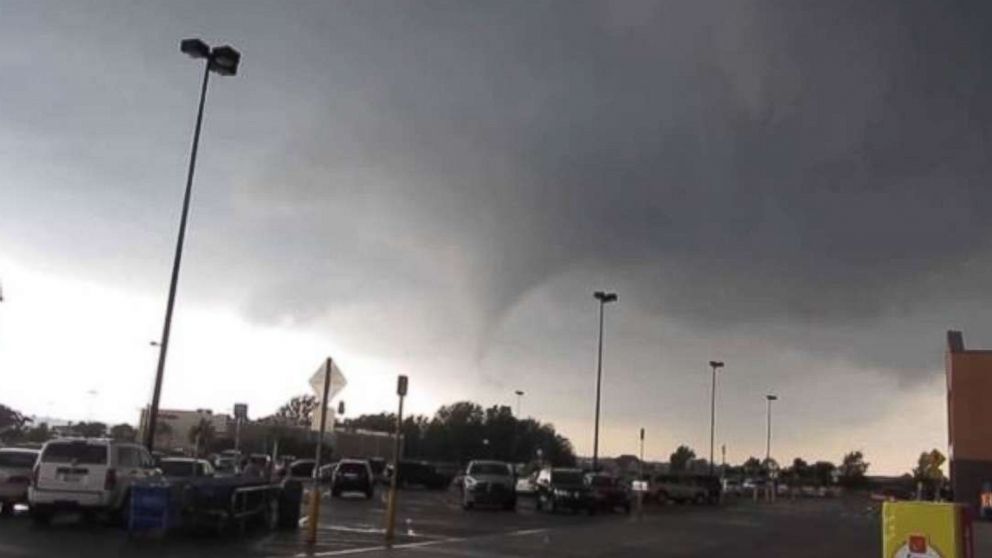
x=352, y=475
x=608, y=492
x=566, y=489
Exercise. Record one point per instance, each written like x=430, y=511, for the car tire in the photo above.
x=41, y=516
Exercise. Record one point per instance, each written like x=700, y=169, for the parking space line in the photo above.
x=419, y=544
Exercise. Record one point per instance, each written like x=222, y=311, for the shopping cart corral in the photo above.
x=215, y=504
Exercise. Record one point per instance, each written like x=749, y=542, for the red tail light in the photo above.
x=110, y=481
x=34, y=475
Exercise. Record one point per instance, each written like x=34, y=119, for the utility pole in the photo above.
x=768, y=443
x=714, y=364
x=315, y=493
x=603, y=298
x=401, y=389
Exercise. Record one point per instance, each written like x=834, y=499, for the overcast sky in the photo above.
x=436, y=189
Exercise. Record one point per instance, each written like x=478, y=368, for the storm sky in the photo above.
x=799, y=189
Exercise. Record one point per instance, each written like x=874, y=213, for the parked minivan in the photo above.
x=92, y=475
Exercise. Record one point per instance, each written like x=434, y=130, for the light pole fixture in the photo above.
x=520, y=394
x=222, y=60
x=604, y=298
x=768, y=443
x=714, y=365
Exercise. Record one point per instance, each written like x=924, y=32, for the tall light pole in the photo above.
x=604, y=298
x=714, y=365
x=520, y=395
x=768, y=444
x=222, y=60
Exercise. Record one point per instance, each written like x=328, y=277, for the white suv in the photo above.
x=88, y=475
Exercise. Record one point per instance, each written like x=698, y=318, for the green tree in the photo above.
x=852, y=469
x=822, y=472
x=799, y=472
x=123, y=432
x=92, y=429
x=37, y=434
x=11, y=423
x=680, y=458
x=928, y=470
x=299, y=410
x=752, y=466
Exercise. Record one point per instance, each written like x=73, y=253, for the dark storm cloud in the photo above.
x=814, y=173
x=757, y=165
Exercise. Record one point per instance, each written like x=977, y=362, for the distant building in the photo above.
x=969, y=418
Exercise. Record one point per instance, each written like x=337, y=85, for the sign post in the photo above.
x=326, y=382
x=401, y=388
x=240, y=415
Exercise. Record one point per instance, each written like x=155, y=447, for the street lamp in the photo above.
x=714, y=364
x=768, y=446
x=604, y=298
x=520, y=394
x=224, y=61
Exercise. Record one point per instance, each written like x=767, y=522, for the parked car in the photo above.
x=421, y=473
x=489, y=483
x=185, y=467
x=732, y=487
x=87, y=474
x=353, y=475
x=15, y=477
x=378, y=466
x=527, y=485
x=301, y=469
x=608, y=492
x=680, y=489
x=227, y=466
x=560, y=488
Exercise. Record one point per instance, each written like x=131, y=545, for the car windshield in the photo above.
x=75, y=452
x=566, y=477
x=352, y=468
x=17, y=459
x=489, y=469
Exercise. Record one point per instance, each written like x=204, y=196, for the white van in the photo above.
x=86, y=474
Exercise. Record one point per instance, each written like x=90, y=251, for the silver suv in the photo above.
x=489, y=483
x=88, y=475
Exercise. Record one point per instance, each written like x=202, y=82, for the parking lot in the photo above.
x=432, y=524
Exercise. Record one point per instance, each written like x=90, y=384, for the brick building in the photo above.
x=969, y=418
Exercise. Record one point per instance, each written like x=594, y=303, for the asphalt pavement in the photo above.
x=433, y=524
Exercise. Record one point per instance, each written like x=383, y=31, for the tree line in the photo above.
x=457, y=432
